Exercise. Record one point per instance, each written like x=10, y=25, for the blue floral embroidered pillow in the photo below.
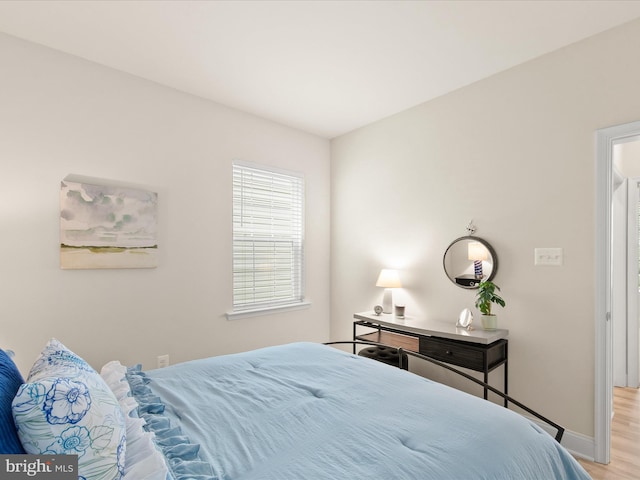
x=55, y=357
x=65, y=407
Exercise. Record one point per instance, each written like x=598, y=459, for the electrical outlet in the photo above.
x=163, y=361
x=548, y=256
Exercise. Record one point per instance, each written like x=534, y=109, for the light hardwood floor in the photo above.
x=625, y=439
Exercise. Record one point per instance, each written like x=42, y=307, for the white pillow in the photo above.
x=65, y=407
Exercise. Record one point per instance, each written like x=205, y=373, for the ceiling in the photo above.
x=325, y=67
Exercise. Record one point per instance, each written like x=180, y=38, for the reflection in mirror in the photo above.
x=468, y=260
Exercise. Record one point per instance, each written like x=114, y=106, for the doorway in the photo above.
x=625, y=262
x=606, y=141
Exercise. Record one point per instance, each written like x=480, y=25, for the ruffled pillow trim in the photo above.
x=143, y=460
x=181, y=455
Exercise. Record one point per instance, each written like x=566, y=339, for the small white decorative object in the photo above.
x=471, y=228
x=377, y=309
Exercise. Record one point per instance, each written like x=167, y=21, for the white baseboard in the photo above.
x=578, y=444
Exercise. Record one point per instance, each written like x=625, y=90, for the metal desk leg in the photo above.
x=506, y=374
x=486, y=380
x=354, y=338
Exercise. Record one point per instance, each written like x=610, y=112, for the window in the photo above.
x=268, y=238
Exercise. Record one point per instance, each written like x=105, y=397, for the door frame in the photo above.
x=633, y=189
x=606, y=138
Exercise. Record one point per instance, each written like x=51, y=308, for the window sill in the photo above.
x=266, y=311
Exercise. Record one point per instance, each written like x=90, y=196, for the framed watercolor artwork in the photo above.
x=107, y=226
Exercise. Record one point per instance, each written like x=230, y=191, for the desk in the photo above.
x=478, y=350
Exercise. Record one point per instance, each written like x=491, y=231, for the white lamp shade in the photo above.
x=477, y=251
x=388, y=279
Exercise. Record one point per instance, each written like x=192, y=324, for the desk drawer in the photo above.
x=454, y=353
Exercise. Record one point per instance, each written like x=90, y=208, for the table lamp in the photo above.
x=477, y=252
x=388, y=279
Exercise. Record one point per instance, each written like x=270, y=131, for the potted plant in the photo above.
x=484, y=298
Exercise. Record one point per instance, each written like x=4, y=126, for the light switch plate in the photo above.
x=548, y=257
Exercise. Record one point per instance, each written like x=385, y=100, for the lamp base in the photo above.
x=387, y=301
x=477, y=268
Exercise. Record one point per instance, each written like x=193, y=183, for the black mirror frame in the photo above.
x=486, y=244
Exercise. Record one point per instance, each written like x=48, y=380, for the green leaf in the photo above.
x=486, y=296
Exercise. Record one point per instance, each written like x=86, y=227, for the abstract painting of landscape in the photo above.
x=104, y=226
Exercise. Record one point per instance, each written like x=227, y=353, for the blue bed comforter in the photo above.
x=308, y=411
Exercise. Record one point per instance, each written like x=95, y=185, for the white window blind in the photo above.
x=268, y=238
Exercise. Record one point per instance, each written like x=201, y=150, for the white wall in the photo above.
x=515, y=153
x=59, y=115
x=626, y=158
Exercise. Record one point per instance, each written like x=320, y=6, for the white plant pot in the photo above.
x=489, y=322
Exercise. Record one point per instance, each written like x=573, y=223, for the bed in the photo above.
x=295, y=412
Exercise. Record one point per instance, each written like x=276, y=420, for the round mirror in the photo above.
x=465, y=319
x=468, y=260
